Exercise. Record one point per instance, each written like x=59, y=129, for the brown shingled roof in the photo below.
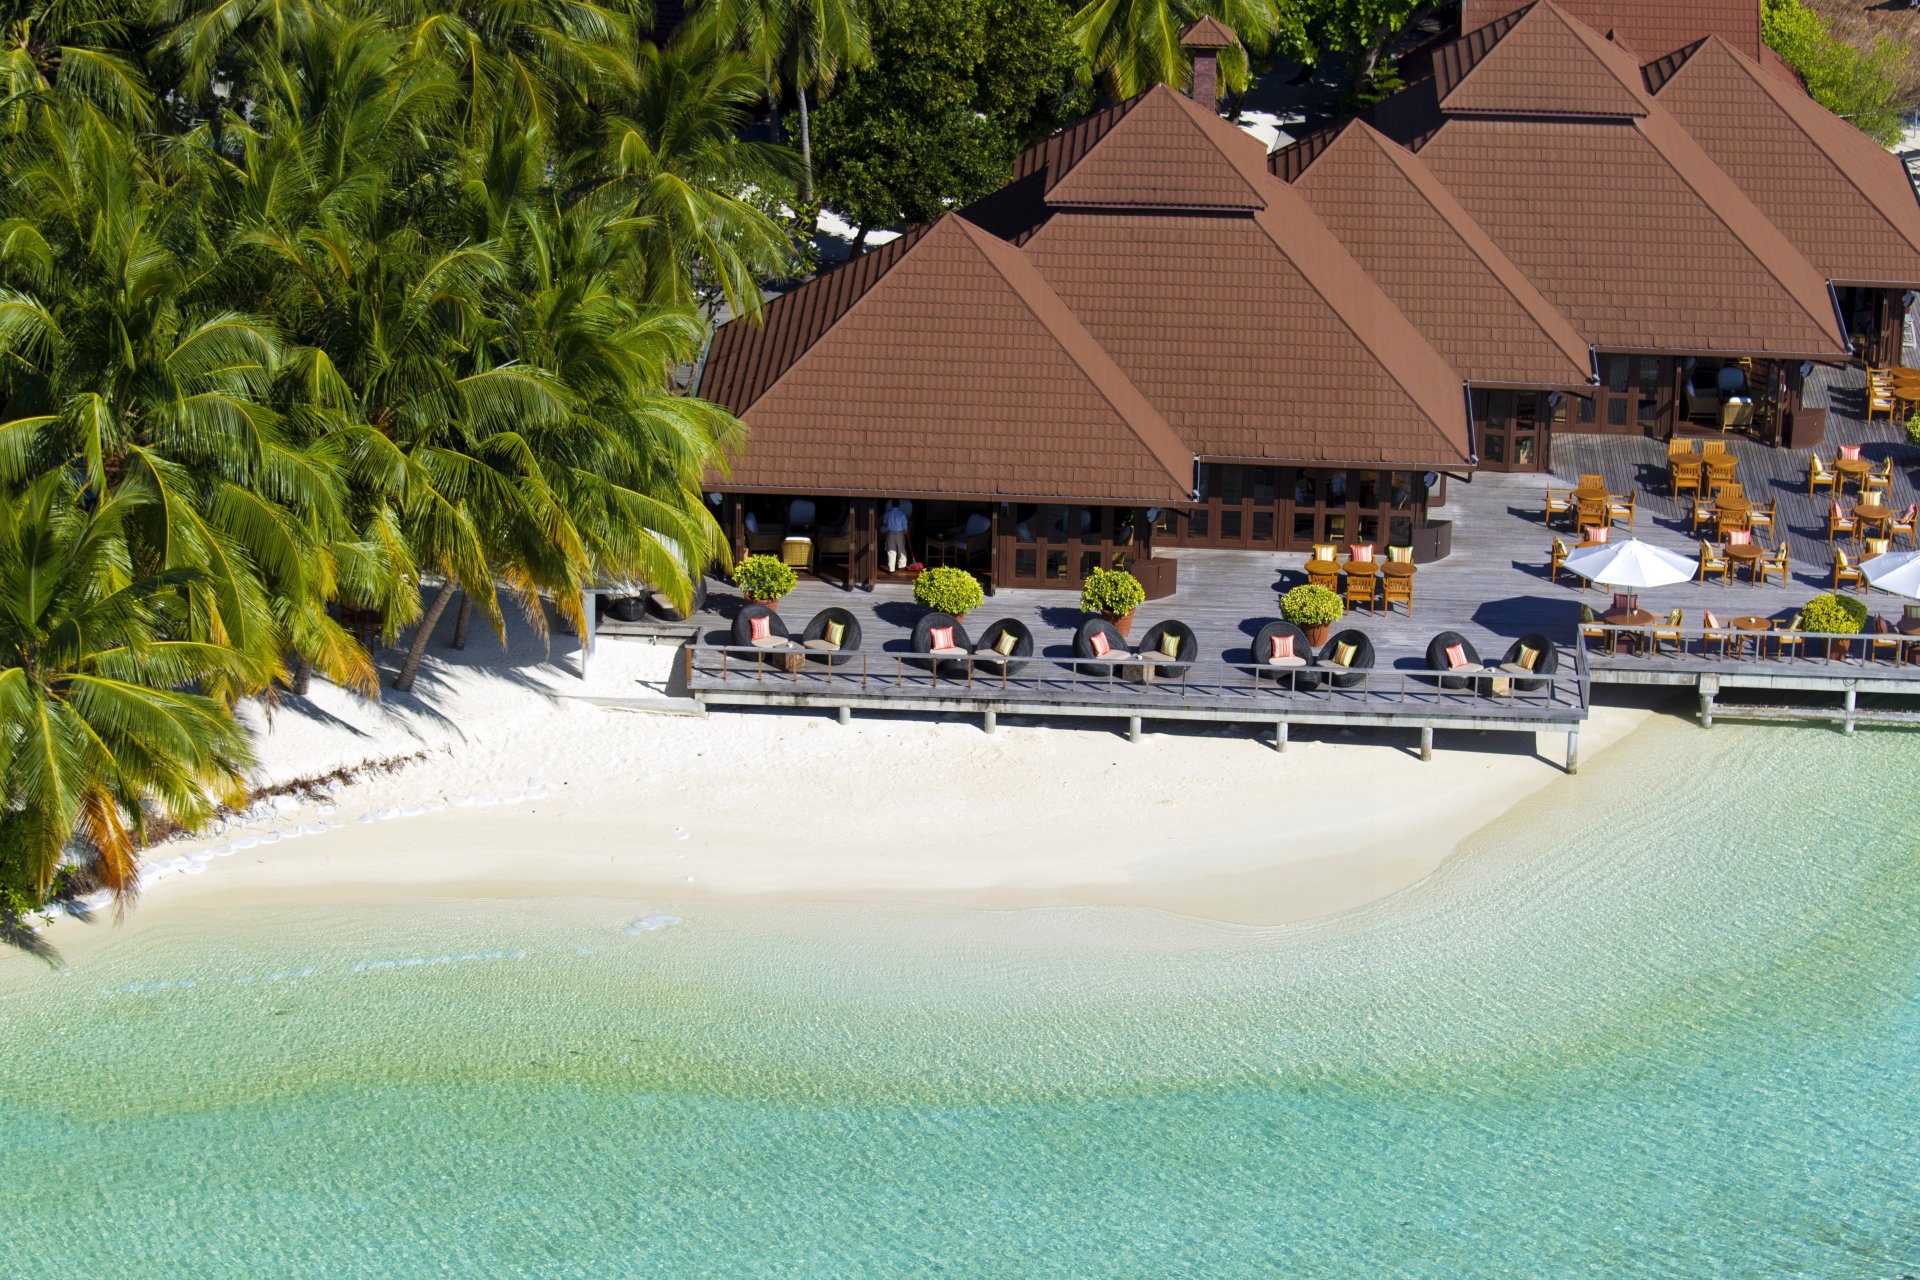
x=1649, y=28
x=1541, y=63
x=955, y=371
x=1841, y=198
x=1208, y=33
x=1438, y=265
x=1158, y=155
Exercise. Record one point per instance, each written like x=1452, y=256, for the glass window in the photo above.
x=1229, y=484
x=1303, y=527
x=1495, y=447
x=1056, y=566
x=1613, y=369
x=1650, y=372
x=1263, y=526
x=1264, y=479
x=1230, y=525
x=1197, y=522
x=1089, y=561
x=1616, y=413
x=1336, y=528
x=1024, y=564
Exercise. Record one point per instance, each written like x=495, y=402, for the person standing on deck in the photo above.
x=893, y=523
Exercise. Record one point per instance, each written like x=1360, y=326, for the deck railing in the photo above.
x=1620, y=647
x=1201, y=682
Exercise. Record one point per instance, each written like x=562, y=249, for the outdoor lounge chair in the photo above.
x=1545, y=665
x=1185, y=647
x=1296, y=672
x=950, y=660
x=1354, y=672
x=989, y=659
x=1820, y=476
x=743, y=625
x=1437, y=660
x=1093, y=663
x=814, y=638
x=662, y=605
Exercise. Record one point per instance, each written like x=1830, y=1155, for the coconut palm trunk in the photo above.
x=417, y=649
x=461, y=619
x=806, y=150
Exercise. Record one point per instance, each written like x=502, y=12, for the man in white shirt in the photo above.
x=893, y=525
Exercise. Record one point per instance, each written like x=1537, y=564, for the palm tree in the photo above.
x=69, y=46
x=1135, y=44
x=100, y=726
x=795, y=45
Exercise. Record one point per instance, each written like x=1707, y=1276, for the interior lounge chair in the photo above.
x=1183, y=644
x=1294, y=664
x=949, y=658
x=1097, y=657
x=823, y=644
x=773, y=636
x=995, y=658
x=1546, y=661
x=1466, y=660
x=1359, y=658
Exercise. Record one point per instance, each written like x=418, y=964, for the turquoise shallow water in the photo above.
x=1661, y=1020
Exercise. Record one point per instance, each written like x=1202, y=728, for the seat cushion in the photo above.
x=1515, y=668
x=949, y=651
x=1288, y=661
x=771, y=642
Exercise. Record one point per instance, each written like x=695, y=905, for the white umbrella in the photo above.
x=1897, y=571
x=1632, y=563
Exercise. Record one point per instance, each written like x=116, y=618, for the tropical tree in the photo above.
x=1133, y=45
x=101, y=728
x=84, y=48
x=795, y=45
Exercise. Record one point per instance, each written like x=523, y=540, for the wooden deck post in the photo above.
x=1426, y=742
x=1853, y=694
x=1133, y=729
x=1573, y=751
x=1280, y=736
x=990, y=720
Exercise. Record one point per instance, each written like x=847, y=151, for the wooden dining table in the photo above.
x=1874, y=514
x=1854, y=469
x=1749, y=554
x=1750, y=627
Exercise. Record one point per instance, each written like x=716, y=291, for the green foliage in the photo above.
x=1865, y=87
x=956, y=89
x=764, y=578
x=1913, y=428
x=1135, y=44
x=1113, y=591
x=1311, y=606
x=1834, y=614
x=948, y=590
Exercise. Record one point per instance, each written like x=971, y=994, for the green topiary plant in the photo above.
x=1835, y=615
x=948, y=590
x=1112, y=591
x=1913, y=428
x=1311, y=606
x=764, y=578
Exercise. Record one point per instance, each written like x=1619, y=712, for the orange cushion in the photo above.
x=1456, y=656
x=1739, y=537
x=1279, y=647
x=1596, y=533
x=1851, y=452
x=760, y=628
x=1098, y=643
x=941, y=637
x=1361, y=551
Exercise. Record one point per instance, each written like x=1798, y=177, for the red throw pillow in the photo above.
x=760, y=628
x=1279, y=647
x=1456, y=657
x=1361, y=551
x=1851, y=452
x=1739, y=537
x=1098, y=643
x=942, y=637
x=1597, y=533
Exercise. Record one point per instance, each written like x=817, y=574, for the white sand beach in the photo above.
x=534, y=781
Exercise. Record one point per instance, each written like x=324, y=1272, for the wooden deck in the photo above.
x=1493, y=589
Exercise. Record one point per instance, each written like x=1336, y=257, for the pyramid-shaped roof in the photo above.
x=1539, y=62
x=1158, y=155
x=1648, y=28
x=1433, y=259
x=956, y=370
x=1208, y=33
x=1841, y=198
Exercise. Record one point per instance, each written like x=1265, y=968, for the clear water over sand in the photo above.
x=1661, y=1020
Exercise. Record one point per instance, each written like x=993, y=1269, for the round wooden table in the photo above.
x=1365, y=568
x=1323, y=572
x=1854, y=469
x=1748, y=554
x=1874, y=514
x=1624, y=618
x=1396, y=569
x=1752, y=627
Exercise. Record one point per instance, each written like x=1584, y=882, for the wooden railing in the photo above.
x=1202, y=682
x=1621, y=646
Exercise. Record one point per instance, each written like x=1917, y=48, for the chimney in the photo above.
x=1204, y=40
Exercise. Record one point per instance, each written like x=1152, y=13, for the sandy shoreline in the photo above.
x=575, y=796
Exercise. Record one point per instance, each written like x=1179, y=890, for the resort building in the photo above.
x=1157, y=335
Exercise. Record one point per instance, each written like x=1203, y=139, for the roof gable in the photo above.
x=957, y=371
x=1208, y=33
x=1651, y=28
x=1544, y=63
x=1158, y=155
x=1842, y=199
x=1433, y=260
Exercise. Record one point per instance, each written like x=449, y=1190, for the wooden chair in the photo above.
x=1682, y=447
x=1845, y=570
x=1704, y=512
x=1324, y=573
x=1723, y=471
x=1556, y=559
x=1733, y=521
x=1593, y=482
x=1712, y=562
x=1670, y=634
x=1762, y=517
x=1360, y=590
x=1713, y=632
x=1617, y=508
x=1879, y=398
x=1819, y=476
x=1792, y=636
x=1884, y=639
x=1592, y=513
x=1711, y=447
x=1591, y=630
x=1775, y=562
x=1905, y=524
x=1395, y=588
x=1559, y=503
x=1839, y=522
x=1876, y=488
x=1687, y=476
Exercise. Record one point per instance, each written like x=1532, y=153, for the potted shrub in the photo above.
x=764, y=579
x=1314, y=610
x=1113, y=594
x=1834, y=614
x=948, y=590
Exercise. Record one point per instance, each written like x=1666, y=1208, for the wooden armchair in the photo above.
x=1722, y=472
x=1759, y=518
x=1592, y=513
x=1845, y=570
x=1712, y=562
x=1712, y=447
x=1687, y=475
x=1593, y=482
x=1618, y=508
x=1883, y=639
x=1592, y=631
x=1839, y=522
x=1400, y=589
x=1774, y=562
x=1714, y=632
x=1360, y=590
x=1670, y=634
x=1792, y=636
x=1559, y=503
x=1819, y=476
x=1556, y=560
x=1905, y=523
x=1703, y=513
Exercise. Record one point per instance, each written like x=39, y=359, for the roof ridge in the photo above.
x=1768, y=84
x=1183, y=106
x=1104, y=380
x=1538, y=307
x=1702, y=163
x=1605, y=50
x=1531, y=19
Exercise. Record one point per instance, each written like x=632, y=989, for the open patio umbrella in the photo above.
x=1632, y=563
x=1898, y=572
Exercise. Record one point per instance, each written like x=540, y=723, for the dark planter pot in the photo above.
x=1317, y=636
x=1122, y=622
